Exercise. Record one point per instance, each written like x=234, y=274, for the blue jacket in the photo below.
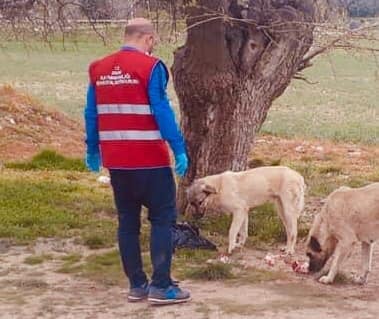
x=161, y=109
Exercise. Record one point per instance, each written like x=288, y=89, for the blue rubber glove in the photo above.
x=93, y=162
x=181, y=164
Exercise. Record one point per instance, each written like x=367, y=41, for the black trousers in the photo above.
x=155, y=189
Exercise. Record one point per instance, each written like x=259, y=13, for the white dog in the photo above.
x=349, y=215
x=238, y=192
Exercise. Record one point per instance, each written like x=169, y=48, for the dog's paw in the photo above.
x=238, y=247
x=238, y=244
x=360, y=280
x=320, y=273
x=287, y=252
x=325, y=280
x=224, y=258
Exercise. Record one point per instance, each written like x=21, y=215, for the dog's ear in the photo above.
x=315, y=245
x=208, y=189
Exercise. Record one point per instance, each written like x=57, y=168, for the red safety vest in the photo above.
x=128, y=132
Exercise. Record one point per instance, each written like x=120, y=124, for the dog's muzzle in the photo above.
x=315, y=264
x=197, y=212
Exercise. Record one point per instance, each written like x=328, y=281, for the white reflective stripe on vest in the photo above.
x=129, y=135
x=140, y=109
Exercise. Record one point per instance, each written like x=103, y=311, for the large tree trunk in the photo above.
x=229, y=72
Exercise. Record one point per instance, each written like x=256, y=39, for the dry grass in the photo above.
x=26, y=127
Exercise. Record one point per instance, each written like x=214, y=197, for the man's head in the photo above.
x=140, y=33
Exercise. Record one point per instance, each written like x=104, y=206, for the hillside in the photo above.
x=26, y=127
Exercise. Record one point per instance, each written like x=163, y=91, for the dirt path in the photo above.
x=38, y=291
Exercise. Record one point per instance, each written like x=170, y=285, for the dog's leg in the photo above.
x=238, y=219
x=291, y=234
x=367, y=249
x=289, y=219
x=280, y=212
x=324, y=271
x=371, y=250
x=341, y=252
x=243, y=232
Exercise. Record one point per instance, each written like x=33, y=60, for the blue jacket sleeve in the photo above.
x=162, y=110
x=91, y=124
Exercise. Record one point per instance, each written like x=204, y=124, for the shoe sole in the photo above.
x=136, y=299
x=156, y=302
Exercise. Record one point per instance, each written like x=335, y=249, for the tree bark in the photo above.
x=236, y=61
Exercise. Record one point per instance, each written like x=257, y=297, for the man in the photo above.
x=128, y=121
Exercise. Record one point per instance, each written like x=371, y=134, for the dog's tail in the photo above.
x=295, y=193
x=301, y=195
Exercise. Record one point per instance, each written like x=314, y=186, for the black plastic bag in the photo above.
x=188, y=236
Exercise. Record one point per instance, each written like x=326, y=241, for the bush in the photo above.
x=49, y=160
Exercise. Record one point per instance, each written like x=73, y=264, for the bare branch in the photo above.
x=303, y=78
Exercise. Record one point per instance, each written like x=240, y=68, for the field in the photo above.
x=59, y=257
x=342, y=105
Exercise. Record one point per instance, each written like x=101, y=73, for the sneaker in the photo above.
x=170, y=295
x=139, y=293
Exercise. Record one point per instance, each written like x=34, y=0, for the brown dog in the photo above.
x=348, y=216
x=238, y=192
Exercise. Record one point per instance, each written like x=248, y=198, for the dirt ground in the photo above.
x=27, y=127
x=38, y=291
x=353, y=158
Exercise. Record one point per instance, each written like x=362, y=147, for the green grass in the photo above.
x=373, y=177
x=49, y=205
x=342, y=105
x=36, y=260
x=264, y=226
x=233, y=273
x=95, y=241
x=59, y=75
x=70, y=264
x=196, y=255
x=211, y=272
x=187, y=264
x=104, y=268
x=330, y=170
x=187, y=260
x=73, y=258
x=321, y=180
x=49, y=160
